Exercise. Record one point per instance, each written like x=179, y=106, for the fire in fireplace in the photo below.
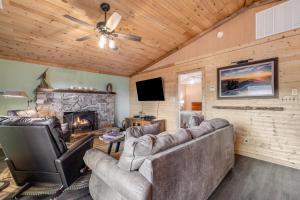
x=81, y=121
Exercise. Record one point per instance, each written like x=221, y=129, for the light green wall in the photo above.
x=22, y=76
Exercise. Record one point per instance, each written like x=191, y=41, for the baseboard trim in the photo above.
x=269, y=159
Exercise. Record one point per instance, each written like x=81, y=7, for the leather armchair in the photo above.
x=36, y=152
x=33, y=113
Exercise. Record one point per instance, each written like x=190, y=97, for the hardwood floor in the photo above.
x=250, y=179
x=67, y=195
x=253, y=179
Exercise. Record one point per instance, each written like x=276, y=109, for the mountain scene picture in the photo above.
x=253, y=80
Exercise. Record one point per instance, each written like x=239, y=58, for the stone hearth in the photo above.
x=57, y=102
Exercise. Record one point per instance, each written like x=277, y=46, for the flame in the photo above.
x=79, y=121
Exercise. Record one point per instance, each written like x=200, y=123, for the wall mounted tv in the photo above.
x=150, y=90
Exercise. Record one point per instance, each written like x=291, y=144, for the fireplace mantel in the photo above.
x=73, y=91
x=57, y=102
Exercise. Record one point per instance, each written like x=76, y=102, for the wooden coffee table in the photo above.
x=99, y=142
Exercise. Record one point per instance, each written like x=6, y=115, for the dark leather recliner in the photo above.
x=33, y=113
x=36, y=152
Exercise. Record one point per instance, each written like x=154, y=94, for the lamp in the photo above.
x=112, y=44
x=14, y=94
x=102, y=41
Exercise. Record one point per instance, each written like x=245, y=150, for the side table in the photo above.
x=116, y=141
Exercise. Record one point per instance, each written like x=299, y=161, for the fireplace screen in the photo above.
x=81, y=121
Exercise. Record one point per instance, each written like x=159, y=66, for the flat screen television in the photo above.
x=150, y=90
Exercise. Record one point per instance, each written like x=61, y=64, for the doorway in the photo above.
x=190, y=96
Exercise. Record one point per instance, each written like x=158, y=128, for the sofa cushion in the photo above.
x=204, y=128
x=136, y=150
x=167, y=140
x=195, y=120
x=138, y=131
x=218, y=123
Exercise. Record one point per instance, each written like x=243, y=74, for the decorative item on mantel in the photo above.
x=43, y=83
x=82, y=88
x=109, y=87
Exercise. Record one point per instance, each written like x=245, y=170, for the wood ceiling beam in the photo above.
x=248, y=5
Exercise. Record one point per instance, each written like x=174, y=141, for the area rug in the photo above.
x=42, y=189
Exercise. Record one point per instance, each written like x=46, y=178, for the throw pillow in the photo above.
x=167, y=140
x=195, y=120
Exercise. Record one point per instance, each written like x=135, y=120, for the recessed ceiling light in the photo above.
x=220, y=34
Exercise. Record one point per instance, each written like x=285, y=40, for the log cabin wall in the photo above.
x=268, y=135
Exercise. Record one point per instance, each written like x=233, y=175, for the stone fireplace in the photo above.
x=61, y=103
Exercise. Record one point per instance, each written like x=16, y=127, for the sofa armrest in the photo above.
x=71, y=162
x=131, y=185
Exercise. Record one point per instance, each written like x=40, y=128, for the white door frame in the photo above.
x=203, y=91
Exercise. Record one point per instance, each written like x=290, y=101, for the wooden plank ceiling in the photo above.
x=36, y=31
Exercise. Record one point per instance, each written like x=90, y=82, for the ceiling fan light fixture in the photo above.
x=102, y=41
x=112, y=44
x=220, y=34
x=105, y=30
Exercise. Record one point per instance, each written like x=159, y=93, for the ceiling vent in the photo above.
x=278, y=19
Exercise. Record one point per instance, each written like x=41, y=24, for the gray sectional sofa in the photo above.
x=186, y=165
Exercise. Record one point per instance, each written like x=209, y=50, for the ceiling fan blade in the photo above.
x=77, y=20
x=128, y=37
x=113, y=21
x=87, y=37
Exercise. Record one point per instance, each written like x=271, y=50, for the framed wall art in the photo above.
x=258, y=79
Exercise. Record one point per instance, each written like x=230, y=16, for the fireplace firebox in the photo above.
x=81, y=121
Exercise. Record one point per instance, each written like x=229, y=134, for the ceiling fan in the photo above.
x=105, y=30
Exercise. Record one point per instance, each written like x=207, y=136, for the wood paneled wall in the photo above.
x=268, y=135
x=238, y=31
